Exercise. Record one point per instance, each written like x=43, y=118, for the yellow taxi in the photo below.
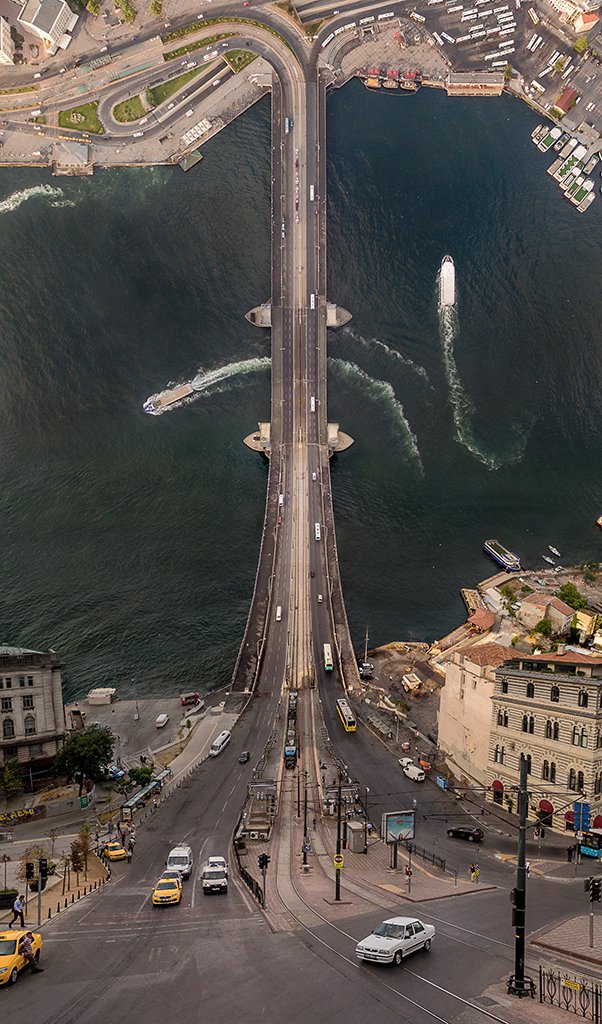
x=114, y=851
x=167, y=890
x=11, y=961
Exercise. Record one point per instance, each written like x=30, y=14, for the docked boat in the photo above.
x=562, y=141
x=587, y=202
x=549, y=139
x=372, y=83
x=591, y=164
x=549, y=560
x=447, y=282
x=599, y=522
x=157, y=404
x=507, y=559
x=538, y=128
x=554, y=550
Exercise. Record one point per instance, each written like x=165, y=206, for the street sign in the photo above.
x=567, y=983
x=339, y=860
x=441, y=782
x=306, y=847
x=581, y=815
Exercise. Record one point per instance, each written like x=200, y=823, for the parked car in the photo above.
x=413, y=772
x=395, y=939
x=405, y=761
x=473, y=835
x=11, y=961
x=161, y=721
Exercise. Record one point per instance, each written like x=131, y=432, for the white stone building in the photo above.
x=6, y=43
x=50, y=20
x=32, y=715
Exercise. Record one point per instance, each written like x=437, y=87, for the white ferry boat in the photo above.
x=447, y=282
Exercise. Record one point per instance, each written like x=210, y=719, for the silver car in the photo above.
x=395, y=939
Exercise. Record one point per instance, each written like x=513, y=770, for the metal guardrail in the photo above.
x=251, y=883
x=428, y=855
x=581, y=996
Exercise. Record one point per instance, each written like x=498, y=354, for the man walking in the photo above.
x=26, y=951
x=18, y=907
x=130, y=851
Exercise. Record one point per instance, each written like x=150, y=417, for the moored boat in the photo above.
x=507, y=559
x=554, y=550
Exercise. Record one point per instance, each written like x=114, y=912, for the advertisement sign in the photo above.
x=581, y=815
x=25, y=814
x=398, y=825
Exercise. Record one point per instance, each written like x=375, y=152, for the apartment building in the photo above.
x=32, y=715
x=6, y=43
x=548, y=707
x=50, y=20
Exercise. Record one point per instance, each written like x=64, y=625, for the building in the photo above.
x=50, y=20
x=32, y=717
x=586, y=22
x=569, y=10
x=464, y=720
x=548, y=707
x=536, y=607
x=6, y=43
x=565, y=102
x=474, y=83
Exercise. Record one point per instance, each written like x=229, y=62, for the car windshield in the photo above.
x=390, y=931
x=215, y=873
x=167, y=884
x=7, y=947
x=178, y=860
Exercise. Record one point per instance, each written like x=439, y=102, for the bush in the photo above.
x=544, y=627
x=571, y=596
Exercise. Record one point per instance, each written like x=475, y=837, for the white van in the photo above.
x=312, y=403
x=218, y=744
x=318, y=532
x=181, y=859
x=278, y=613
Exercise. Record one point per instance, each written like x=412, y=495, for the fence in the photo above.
x=581, y=996
x=251, y=883
x=432, y=858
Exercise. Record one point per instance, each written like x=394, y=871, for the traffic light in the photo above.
x=595, y=892
x=43, y=864
x=29, y=872
x=263, y=860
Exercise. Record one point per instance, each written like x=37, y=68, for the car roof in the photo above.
x=401, y=920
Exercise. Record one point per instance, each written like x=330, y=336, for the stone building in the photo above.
x=464, y=719
x=50, y=20
x=32, y=715
x=536, y=607
x=549, y=707
x=6, y=43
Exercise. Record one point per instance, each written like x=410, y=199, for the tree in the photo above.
x=581, y=44
x=544, y=626
x=93, y=6
x=156, y=8
x=11, y=778
x=85, y=846
x=559, y=65
x=141, y=776
x=571, y=596
x=86, y=754
x=77, y=858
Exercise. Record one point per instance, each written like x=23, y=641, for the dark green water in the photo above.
x=130, y=542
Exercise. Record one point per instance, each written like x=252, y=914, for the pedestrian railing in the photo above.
x=427, y=855
x=252, y=884
x=581, y=996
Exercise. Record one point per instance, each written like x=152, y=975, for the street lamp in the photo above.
x=305, y=836
x=366, y=821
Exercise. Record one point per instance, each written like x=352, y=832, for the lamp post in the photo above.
x=337, y=870
x=305, y=837
x=518, y=984
x=366, y=821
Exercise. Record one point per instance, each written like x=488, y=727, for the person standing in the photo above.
x=130, y=851
x=472, y=870
x=155, y=803
x=18, y=908
x=569, y=853
x=528, y=868
x=26, y=951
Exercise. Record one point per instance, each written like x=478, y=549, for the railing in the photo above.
x=428, y=855
x=252, y=884
x=581, y=996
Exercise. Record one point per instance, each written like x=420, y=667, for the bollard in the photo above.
x=58, y=908
x=78, y=894
x=65, y=902
x=73, y=897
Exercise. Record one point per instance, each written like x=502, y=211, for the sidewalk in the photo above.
x=54, y=900
x=571, y=938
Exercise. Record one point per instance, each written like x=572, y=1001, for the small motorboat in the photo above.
x=599, y=522
x=554, y=551
x=549, y=560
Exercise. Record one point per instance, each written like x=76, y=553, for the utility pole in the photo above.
x=337, y=871
x=298, y=792
x=518, y=984
x=305, y=836
x=366, y=822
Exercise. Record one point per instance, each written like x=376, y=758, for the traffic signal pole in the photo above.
x=337, y=871
x=518, y=984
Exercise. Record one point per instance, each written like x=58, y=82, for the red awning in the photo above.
x=545, y=805
x=497, y=785
x=569, y=816
x=598, y=821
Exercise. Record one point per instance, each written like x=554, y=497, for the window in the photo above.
x=8, y=682
x=499, y=754
x=554, y=695
x=525, y=725
x=556, y=731
x=584, y=737
x=529, y=764
x=6, y=704
x=548, y=730
x=36, y=749
x=27, y=701
x=598, y=784
x=583, y=698
x=572, y=779
x=545, y=771
x=502, y=718
x=1, y=683
x=10, y=753
x=553, y=771
x=8, y=728
x=531, y=724
x=30, y=725
x=21, y=681
x=504, y=686
x=580, y=782
x=598, y=740
x=576, y=736
x=530, y=689
x=30, y=680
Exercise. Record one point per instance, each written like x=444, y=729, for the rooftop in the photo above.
x=42, y=13
x=489, y=654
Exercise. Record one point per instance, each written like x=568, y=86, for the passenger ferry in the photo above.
x=447, y=282
x=507, y=559
x=157, y=404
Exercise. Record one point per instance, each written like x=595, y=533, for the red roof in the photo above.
x=482, y=619
x=568, y=658
x=566, y=100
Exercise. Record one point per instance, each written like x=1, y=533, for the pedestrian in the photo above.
x=315, y=823
x=130, y=851
x=414, y=802
x=122, y=836
x=18, y=907
x=528, y=868
x=471, y=871
x=132, y=835
x=569, y=854
x=26, y=951
x=110, y=826
x=155, y=803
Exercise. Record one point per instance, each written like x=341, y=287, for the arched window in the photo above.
x=580, y=782
x=553, y=771
x=545, y=771
x=502, y=717
x=530, y=690
x=572, y=779
x=529, y=765
x=30, y=725
x=583, y=698
x=584, y=737
x=598, y=784
x=548, y=730
x=8, y=728
x=556, y=731
x=531, y=724
x=576, y=736
x=525, y=724
x=499, y=754
x=554, y=695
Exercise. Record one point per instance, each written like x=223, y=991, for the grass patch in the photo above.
x=24, y=88
x=312, y=28
x=288, y=8
x=129, y=110
x=37, y=120
x=162, y=92
x=186, y=30
x=197, y=45
x=84, y=118
x=239, y=59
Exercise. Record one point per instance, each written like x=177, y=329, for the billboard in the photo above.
x=397, y=826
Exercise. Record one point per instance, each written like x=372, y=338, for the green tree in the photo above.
x=559, y=65
x=581, y=44
x=86, y=755
x=544, y=626
x=85, y=846
x=93, y=6
x=571, y=596
x=77, y=858
x=141, y=776
x=11, y=778
x=156, y=8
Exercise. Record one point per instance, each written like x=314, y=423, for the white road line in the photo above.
x=198, y=874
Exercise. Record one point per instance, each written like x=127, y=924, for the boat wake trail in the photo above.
x=462, y=406
x=382, y=391
x=214, y=381
x=16, y=199
x=372, y=343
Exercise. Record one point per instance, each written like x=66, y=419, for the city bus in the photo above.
x=533, y=15
x=328, y=657
x=590, y=844
x=346, y=715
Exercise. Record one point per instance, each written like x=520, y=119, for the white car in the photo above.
x=161, y=720
x=405, y=761
x=413, y=772
x=218, y=862
x=395, y=939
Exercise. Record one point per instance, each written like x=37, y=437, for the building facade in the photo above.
x=50, y=20
x=549, y=708
x=32, y=715
x=6, y=43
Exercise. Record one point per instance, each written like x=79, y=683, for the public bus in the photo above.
x=590, y=844
x=346, y=715
x=533, y=15
x=328, y=657
x=417, y=17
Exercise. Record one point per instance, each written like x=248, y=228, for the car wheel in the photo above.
x=397, y=958
x=14, y=974
x=450, y=831
x=471, y=839
x=427, y=945
x=37, y=956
